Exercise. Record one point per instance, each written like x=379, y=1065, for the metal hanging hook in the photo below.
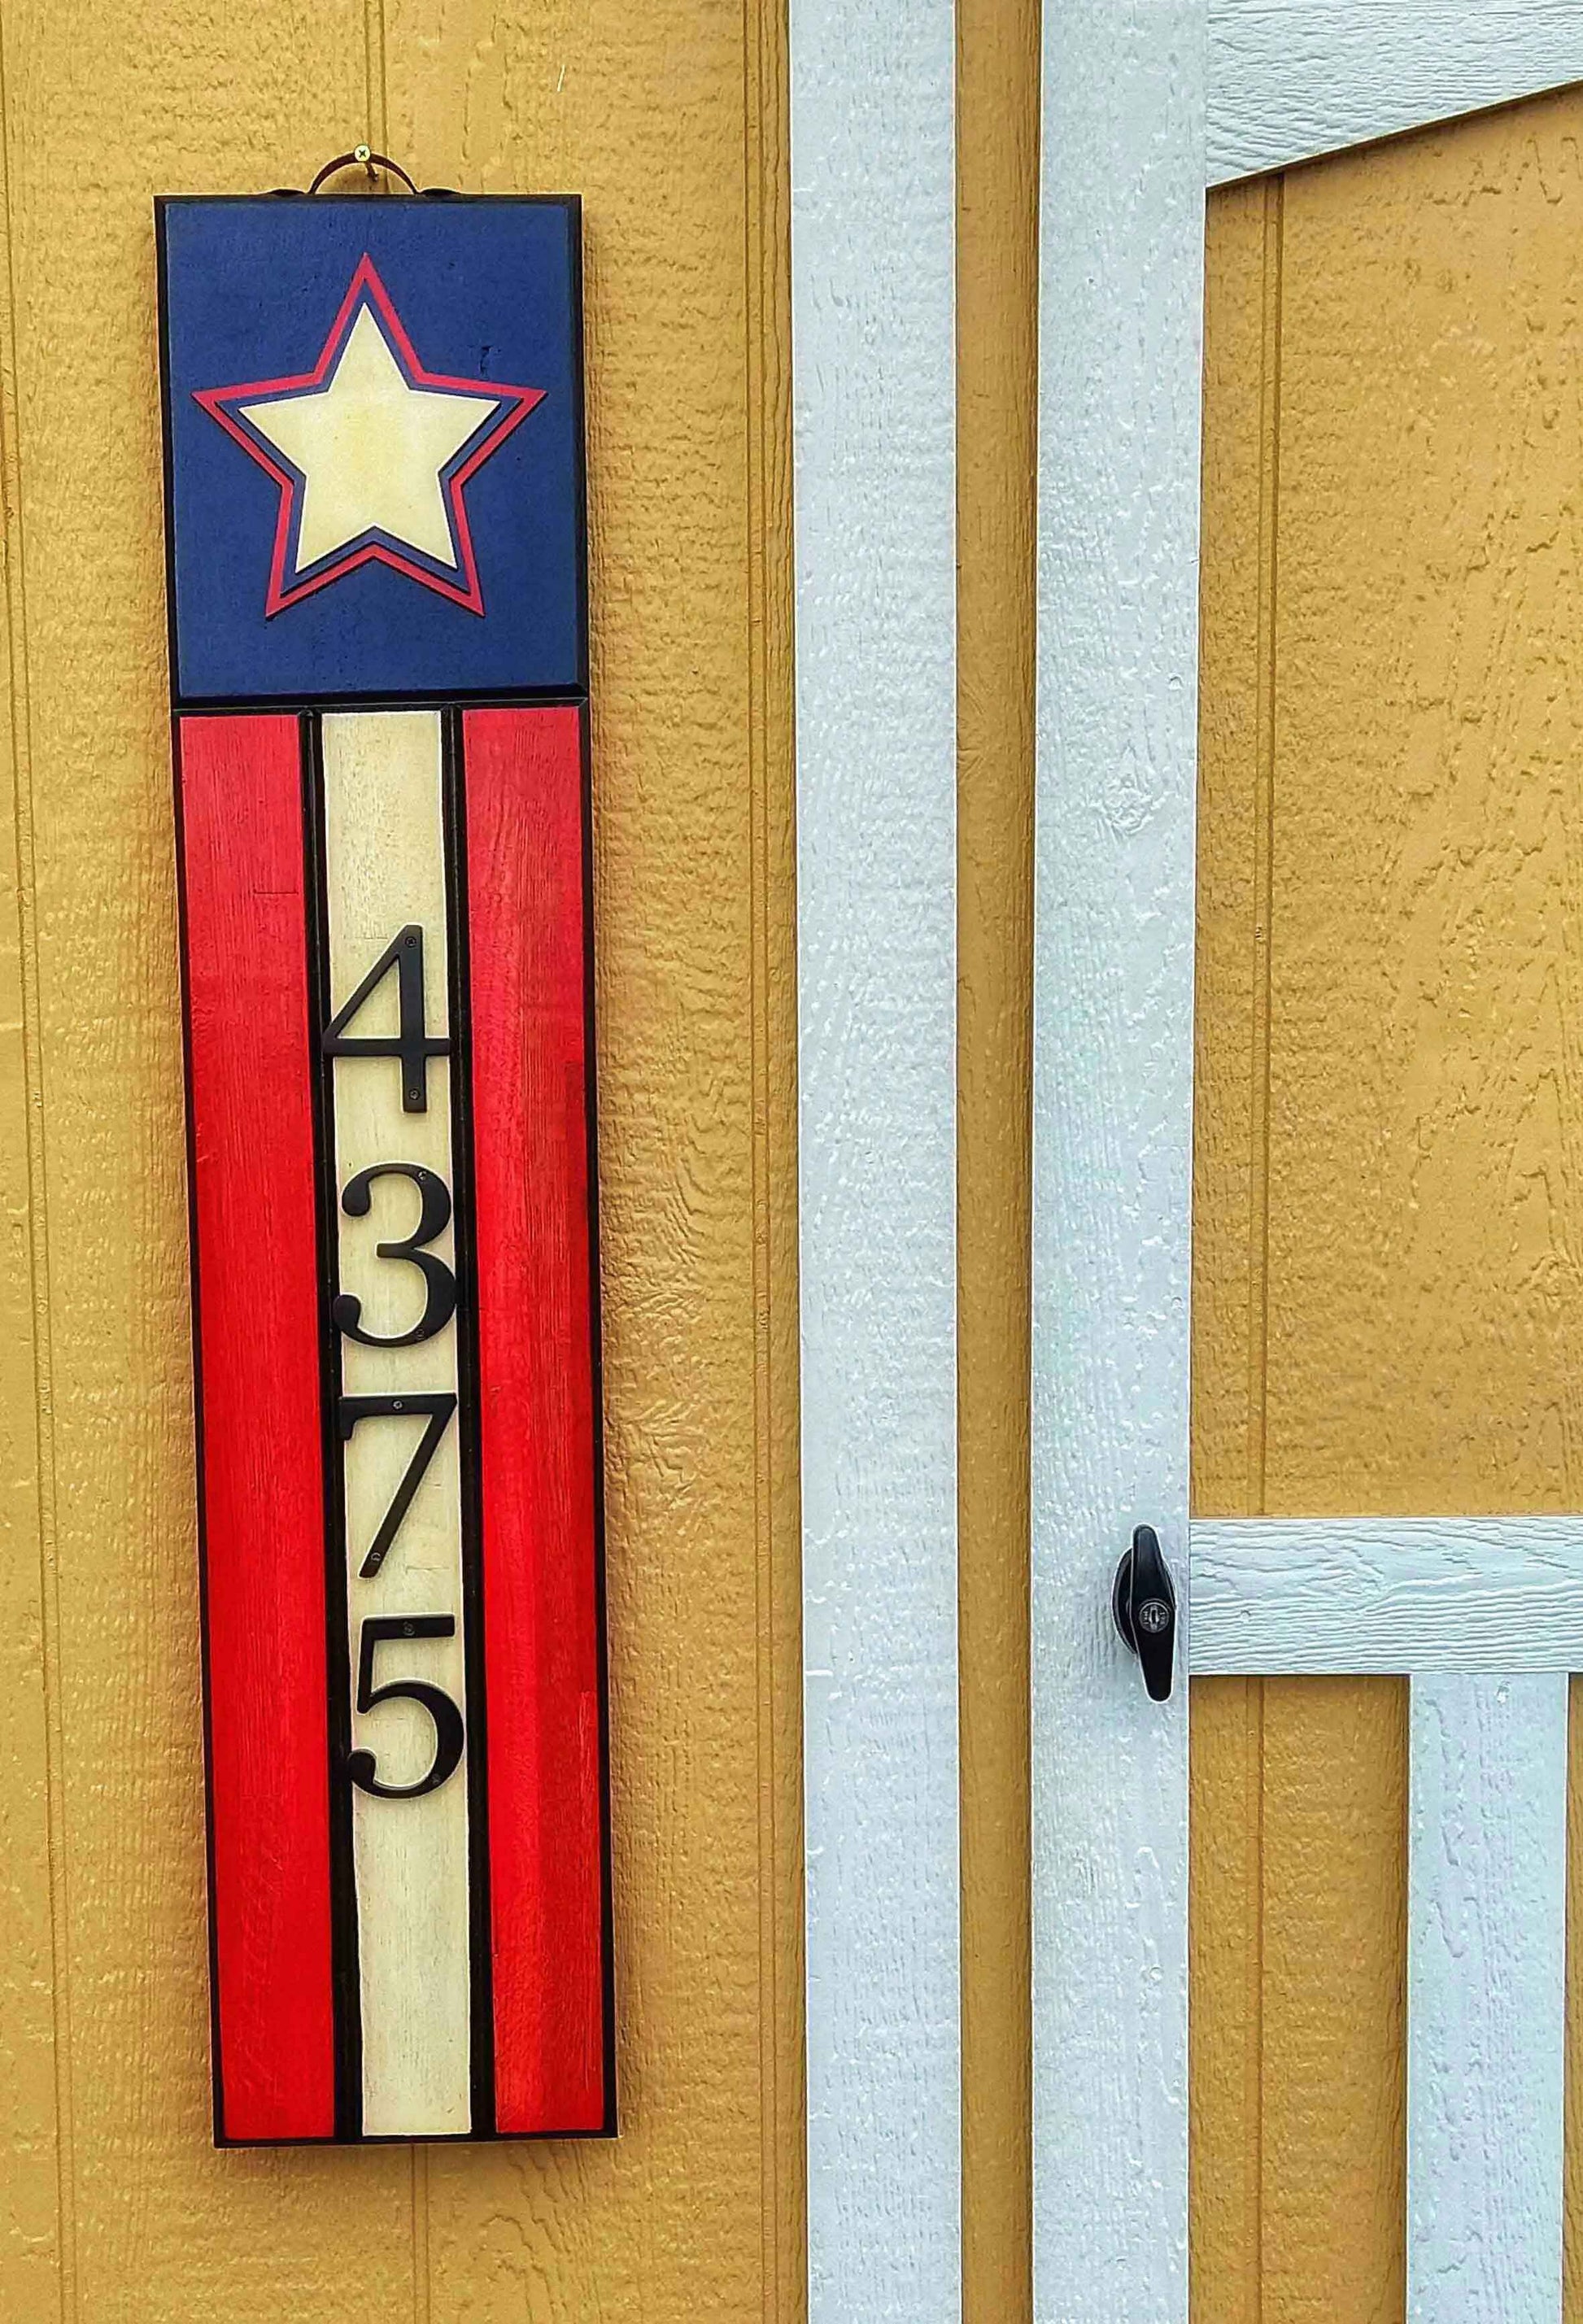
x=362, y=157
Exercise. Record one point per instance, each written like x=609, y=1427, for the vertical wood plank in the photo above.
x=1299, y=1787
x=384, y=841
x=1241, y=373
x=35, y=2226
x=783, y=2119
x=1121, y=248
x=1486, y=1999
x=1332, y=1938
x=1572, y=2129
x=538, y=1433
x=256, y=1359
x=149, y=97
x=873, y=225
x=669, y=121
x=997, y=140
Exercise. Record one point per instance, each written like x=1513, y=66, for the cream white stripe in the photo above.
x=1486, y=1999
x=384, y=868
x=873, y=243
x=1121, y=296
x=1291, y=79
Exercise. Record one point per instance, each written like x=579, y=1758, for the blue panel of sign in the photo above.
x=374, y=449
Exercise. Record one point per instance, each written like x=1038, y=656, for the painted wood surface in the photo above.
x=383, y=867
x=540, y=1435
x=256, y=1349
x=670, y=123
x=1405, y=1594
x=1387, y=1296
x=1291, y=79
x=1487, y=1998
x=998, y=150
x=1120, y=320
x=873, y=326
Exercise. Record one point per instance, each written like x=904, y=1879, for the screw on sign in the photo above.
x=379, y=668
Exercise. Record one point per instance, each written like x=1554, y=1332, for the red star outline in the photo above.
x=513, y=406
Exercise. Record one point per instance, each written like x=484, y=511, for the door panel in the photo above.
x=1388, y=1207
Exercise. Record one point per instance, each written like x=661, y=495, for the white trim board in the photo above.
x=1356, y=1594
x=1289, y=79
x=1486, y=1945
x=1121, y=358
x=1486, y=1615
x=874, y=396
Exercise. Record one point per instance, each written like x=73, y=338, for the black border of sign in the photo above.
x=345, y=1982
x=464, y=1235
x=305, y=709
x=216, y=2080
x=596, y=1359
x=194, y=705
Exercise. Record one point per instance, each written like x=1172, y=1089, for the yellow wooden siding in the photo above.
x=670, y=119
x=996, y=259
x=1389, y=1278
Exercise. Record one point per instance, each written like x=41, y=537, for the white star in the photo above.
x=371, y=449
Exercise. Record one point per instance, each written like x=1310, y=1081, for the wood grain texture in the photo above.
x=35, y=2243
x=1486, y=1999
x=1121, y=244
x=1299, y=1787
x=1572, y=2130
x=1395, y=1594
x=261, y=1424
x=383, y=867
x=152, y=2223
x=1291, y=79
x=1420, y=1297
x=998, y=132
x=1241, y=378
x=670, y=121
x=873, y=235
x=538, y=1428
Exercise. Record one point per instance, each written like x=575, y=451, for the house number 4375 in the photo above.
x=411, y=1046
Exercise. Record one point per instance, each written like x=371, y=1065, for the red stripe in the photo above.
x=527, y=946
x=258, y=1368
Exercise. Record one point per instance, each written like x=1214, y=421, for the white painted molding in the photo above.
x=874, y=393
x=1289, y=79
x=1121, y=358
x=1418, y=1594
x=1486, y=1999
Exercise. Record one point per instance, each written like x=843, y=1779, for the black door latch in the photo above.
x=1143, y=1603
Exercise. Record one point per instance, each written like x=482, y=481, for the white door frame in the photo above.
x=1143, y=106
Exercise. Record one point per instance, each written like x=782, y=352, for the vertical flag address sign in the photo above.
x=379, y=665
